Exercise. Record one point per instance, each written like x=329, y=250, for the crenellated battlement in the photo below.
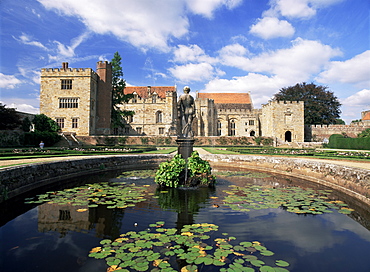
x=282, y=103
x=66, y=71
x=356, y=124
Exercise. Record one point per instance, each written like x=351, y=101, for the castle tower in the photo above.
x=104, y=98
x=283, y=120
x=78, y=99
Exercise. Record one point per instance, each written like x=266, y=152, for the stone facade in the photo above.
x=155, y=111
x=283, y=120
x=78, y=99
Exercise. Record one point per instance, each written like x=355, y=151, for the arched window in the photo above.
x=253, y=133
x=219, y=126
x=159, y=117
x=232, y=127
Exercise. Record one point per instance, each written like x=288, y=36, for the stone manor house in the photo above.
x=79, y=100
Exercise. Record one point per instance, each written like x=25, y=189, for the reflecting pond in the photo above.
x=251, y=221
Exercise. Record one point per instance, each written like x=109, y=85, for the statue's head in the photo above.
x=186, y=89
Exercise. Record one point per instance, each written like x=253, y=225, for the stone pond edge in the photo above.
x=16, y=180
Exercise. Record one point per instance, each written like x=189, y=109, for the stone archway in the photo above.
x=288, y=136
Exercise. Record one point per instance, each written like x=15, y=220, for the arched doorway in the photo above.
x=288, y=136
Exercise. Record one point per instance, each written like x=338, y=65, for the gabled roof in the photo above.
x=227, y=98
x=366, y=117
x=144, y=91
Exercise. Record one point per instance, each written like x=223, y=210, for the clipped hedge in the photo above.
x=34, y=138
x=341, y=142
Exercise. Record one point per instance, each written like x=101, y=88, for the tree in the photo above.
x=118, y=95
x=339, y=122
x=26, y=124
x=9, y=118
x=45, y=124
x=320, y=105
x=364, y=134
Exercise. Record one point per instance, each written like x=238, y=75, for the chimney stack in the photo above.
x=65, y=65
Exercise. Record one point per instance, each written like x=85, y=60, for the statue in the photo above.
x=186, y=113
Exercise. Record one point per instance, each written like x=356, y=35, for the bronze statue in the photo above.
x=186, y=113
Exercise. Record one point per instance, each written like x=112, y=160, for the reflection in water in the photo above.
x=65, y=218
x=186, y=202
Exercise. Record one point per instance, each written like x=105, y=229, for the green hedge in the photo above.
x=34, y=138
x=341, y=142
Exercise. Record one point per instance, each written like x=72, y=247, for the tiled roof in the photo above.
x=227, y=98
x=366, y=117
x=142, y=91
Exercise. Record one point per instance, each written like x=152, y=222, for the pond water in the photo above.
x=239, y=216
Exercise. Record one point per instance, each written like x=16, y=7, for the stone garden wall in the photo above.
x=352, y=181
x=355, y=182
x=20, y=179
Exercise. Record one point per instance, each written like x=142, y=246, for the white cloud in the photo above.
x=272, y=27
x=302, y=9
x=28, y=40
x=207, y=7
x=193, y=72
x=359, y=99
x=68, y=51
x=191, y=53
x=261, y=87
x=293, y=64
x=355, y=71
x=143, y=23
x=24, y=108
x=8, y=81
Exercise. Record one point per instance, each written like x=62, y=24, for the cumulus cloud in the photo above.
x=143, y=23
x=193, y=72
x=359, y=99
x=24, y=108
x=191, y=53
x=302, y=9
x=355, y=70
x=8, y=81
x=297, y=63
x=272, y=27
x=262, y=87
x=207, y=7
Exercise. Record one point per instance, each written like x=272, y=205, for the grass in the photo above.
x=215, y=150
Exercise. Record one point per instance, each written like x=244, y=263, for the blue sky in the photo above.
x=255, y=46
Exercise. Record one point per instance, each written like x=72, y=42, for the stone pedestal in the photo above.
x=185, y=146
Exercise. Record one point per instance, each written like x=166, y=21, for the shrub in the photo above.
x=144, y=140
x=177, y=172
x=168, y=140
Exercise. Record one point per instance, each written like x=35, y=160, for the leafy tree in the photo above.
x=340, y=122
x=44, y=123
x=364, y=134
x=9, y=118
x=118, y=95
x=26, y=124
x=320, y=105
